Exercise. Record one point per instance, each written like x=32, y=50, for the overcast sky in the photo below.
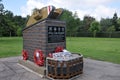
x=96, y=8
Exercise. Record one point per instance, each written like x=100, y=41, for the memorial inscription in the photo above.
x=56, y=34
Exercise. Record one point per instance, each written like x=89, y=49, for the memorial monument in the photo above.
x=44, y=46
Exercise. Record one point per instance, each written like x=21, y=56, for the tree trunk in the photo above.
x=10, y=33
x=94, y=33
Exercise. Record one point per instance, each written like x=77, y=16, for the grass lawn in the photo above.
x=105, y=49
x=10, y=46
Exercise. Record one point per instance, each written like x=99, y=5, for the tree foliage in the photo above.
x=87, y=22
x=19, y=31
x=118, y=21
x=110, y=30
x=105, y=24
x=94, y=27
x=114, y=21
x=12, y=25
x=9, y=24
x=72, y=21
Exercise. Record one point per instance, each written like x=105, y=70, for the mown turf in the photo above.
x=106, y=49
x=10, y=46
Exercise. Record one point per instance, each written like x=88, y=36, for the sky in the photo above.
x=95, y=8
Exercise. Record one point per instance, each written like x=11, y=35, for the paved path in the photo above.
x=93, y=70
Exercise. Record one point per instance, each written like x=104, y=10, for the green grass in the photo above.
x=10, y=46
x=105, y=49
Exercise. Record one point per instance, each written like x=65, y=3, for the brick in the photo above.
x=36, y=37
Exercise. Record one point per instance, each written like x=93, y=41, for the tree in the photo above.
x=1, y=17
x=94, y=27
x=72, y=21
x=10, y=25
x=1, y=7
x=87, y=21
x=111, y=29
x=19, y=31
x=19, y=21
x=118, y=21
x=105, y=24
x=114, y=21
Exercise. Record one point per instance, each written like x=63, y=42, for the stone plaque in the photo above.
x=56, y=34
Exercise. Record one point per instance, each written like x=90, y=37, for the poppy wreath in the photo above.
x=38, y=57
x=25, y=54
x=59, y=49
